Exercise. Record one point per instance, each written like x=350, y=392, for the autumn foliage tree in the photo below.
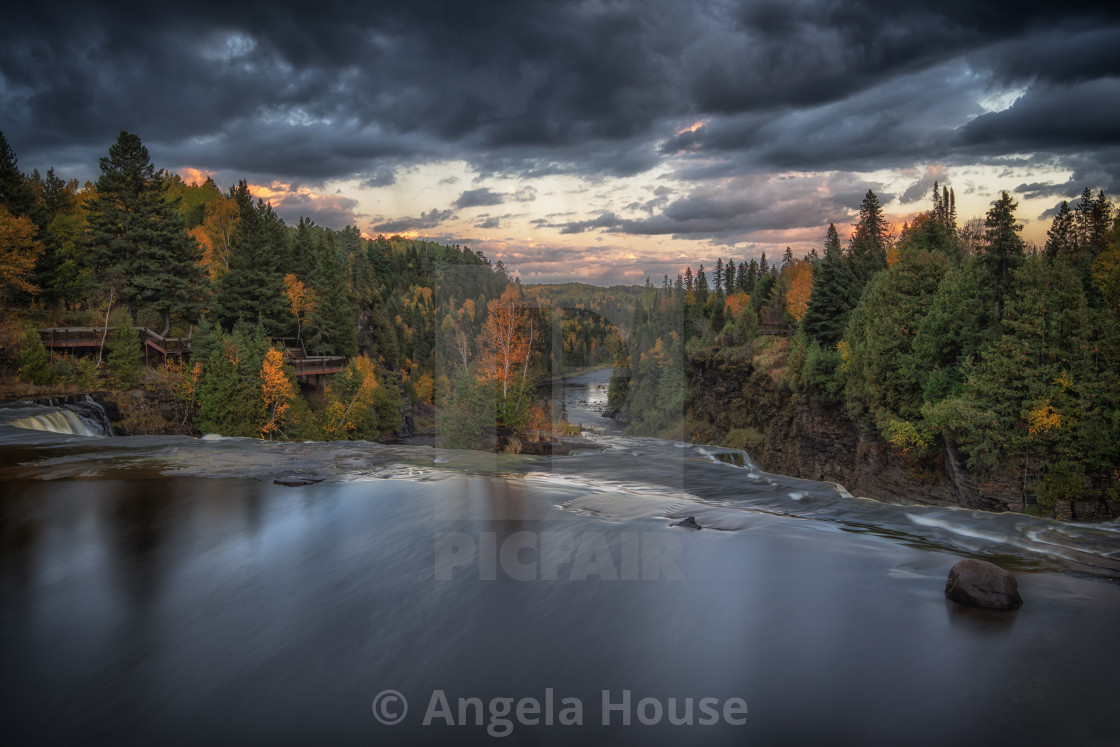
x=277, y=392
x=301, y=299
x=506, y=341
x=800, y=288
x=19, y=250
x=359, y=405
x=215, y=235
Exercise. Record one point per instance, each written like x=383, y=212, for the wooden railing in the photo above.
x=319, y=364
x=91, y=337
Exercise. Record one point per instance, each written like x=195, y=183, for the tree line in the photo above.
x=942, y=337
x=141, y=247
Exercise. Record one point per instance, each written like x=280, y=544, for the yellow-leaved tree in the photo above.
x=277, y=392
x=800, y=288
x=301, y=300
x=19, y=249
x=358, y=406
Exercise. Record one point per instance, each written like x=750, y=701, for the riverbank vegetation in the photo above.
x=936, y=337
x=423, y=327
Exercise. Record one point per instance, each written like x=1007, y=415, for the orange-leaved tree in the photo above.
x=506, y=342
x=277, y=392
x=19, y=249
x=800, y=288
x=301, y=300
x=359, y=407
x=215, y=235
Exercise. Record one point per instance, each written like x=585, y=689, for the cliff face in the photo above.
x=816, y=440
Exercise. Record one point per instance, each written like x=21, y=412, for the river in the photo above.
x=163, y=590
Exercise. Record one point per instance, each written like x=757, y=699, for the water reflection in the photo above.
x=186, y=610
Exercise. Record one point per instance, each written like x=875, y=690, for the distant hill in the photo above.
x=615, y=302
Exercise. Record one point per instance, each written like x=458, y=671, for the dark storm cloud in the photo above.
x=430, y=219
x=329, y=90
x=734, y=212
x=479, y=198
x=326, y=210
x=1054, y=118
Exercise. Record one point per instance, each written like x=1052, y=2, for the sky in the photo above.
x=595, y=140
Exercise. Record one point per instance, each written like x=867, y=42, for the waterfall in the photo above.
x=82, y=418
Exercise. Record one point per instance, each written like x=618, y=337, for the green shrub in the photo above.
x=34, y=360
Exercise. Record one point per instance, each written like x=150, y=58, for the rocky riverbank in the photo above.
x=816, y=440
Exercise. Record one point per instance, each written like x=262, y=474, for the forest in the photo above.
x=933, y=337
x=941, y=335
x=424, y=327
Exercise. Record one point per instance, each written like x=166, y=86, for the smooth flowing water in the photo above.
x=159, y=590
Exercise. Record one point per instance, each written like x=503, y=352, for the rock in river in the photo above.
x=978, y=583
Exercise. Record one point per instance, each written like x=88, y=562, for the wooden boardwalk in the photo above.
x=91, y=337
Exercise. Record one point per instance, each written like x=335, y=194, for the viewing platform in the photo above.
x=62, y=338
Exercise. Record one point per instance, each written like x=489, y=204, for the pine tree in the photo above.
x=15, y=193
x=741, y=282
x=34, y=359
x=729, y=277
x=718, y=277
x=253, y=288
x=753, y=275
x=787, y=257
x=701, y=286
x=763, y=267
x=331, y=328
x=1061, y=239
x=124, y=350
x=688, y=279
x=137, y=238
x=834, y=294
x=1003, y=251
x=868, y=246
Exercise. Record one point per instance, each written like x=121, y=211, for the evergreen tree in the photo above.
x=137, y=238
x=741, y=282
x=124, y=350
x=15, y=193
x=883, y=368
x=951, y=332
x=688, y=278
x=34, y=359
x=869, y=242
x=253, y=288
x=719, y=277
x=331, y=327
x=763, y=267
x=834, y=294
x=787, y=257
x=1002, y=253
x=701, y=287
x=753, y=275
x=952, y=225
x=1061, y=239
x=729, y=277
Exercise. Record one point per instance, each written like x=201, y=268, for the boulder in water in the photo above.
x=689, y=523
x=978, y=583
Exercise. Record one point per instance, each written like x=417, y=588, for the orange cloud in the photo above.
x=195, y=176
x=692, y=127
